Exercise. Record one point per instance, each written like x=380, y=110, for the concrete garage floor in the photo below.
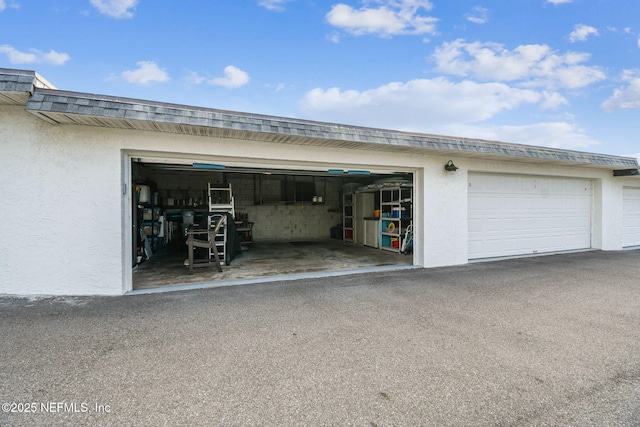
x=546, y=341
x=265, y=259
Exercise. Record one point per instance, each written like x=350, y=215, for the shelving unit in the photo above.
x=396, y=208
x=148, y=223
x=348, y=224
x=152, y=226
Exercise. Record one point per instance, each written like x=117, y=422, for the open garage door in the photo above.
x=631, y=214
x=512, y=215
x=287, y=221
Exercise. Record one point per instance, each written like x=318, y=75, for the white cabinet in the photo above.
x=371, y=231
x=363, y=208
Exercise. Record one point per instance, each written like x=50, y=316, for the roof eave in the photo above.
x=107, y=111
x=16, y=86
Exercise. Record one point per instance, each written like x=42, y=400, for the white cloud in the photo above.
x=391, y=17
x=627, y=97
x=276, y=5
x=12, y=5
x=418, y=104
x=277, y=88
x=528, y=65
x=34, y=56
x=559, y=1
x=147, y=72
x=193, y=78
x=552, y=100
x=119, y=9
x=440, y=106
x=233, y=78
x=581, y=32
x=334, y=37
x=546, y=134
x=478, y=15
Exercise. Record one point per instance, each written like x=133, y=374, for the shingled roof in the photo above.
x=16, y=86
x=57, y=106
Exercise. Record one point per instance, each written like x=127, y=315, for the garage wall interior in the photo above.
x=263, y=196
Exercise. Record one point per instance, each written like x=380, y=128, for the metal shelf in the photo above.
x=395, y=202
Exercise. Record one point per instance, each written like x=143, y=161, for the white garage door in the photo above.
x=519, y=214
x=631, y=221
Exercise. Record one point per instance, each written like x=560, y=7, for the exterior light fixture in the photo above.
x=450, y=167
x=626, y=172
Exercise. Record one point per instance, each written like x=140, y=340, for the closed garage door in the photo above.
x=631, y=222
x=518, y=214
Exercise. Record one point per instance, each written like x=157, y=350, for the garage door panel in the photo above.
x=494, y=204
x=516, y=215
x=522, y=224
x=631, y=217
x=492, y=226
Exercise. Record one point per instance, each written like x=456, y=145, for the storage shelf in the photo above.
x=393, y=229
x=348, y=225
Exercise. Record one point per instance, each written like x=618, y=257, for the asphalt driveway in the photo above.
x=546, y=341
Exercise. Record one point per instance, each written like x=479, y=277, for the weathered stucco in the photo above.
x=61, y=188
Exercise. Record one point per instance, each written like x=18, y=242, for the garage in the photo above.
x=510, y=215
x=631, y=216
x=281, y=221
x=306, y=194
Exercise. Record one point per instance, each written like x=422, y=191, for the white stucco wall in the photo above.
x=61, y=192
x=444, y=200
x=67, y=222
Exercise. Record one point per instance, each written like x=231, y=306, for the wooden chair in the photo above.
x=204, y=239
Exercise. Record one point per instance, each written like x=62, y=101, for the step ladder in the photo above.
x=221, y=203
x=407, y=242
x=221, y=199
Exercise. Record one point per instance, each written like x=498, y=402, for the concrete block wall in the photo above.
x=277, y=220
x=302, y=221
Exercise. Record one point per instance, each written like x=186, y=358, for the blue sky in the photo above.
x=558, y=73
